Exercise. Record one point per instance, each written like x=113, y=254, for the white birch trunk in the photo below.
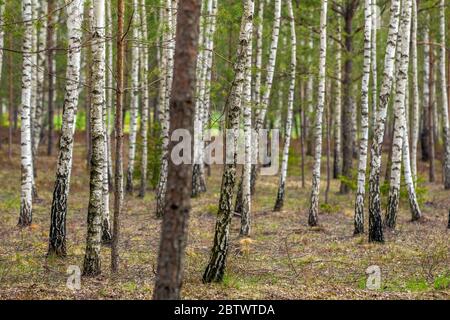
x=247, y=118
x=445, y=121
x=40, y=90
x=91, y=265
x=374, y=63
x=134, y=108
x=164, y=112
x=415, y=93
x=287, y=137
x=57, y=236
x=145, y=100
x=399, y=114
x=25, y=216
x=315, y=190
x=375, y=225
x=337, y=161
x=362, y=164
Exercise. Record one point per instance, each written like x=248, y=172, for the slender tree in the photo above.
x=415, y=93
x=174, y=226
x=26, y=165
x=399, y=114
x=164, y=114
x=287, y=136
x=444, y=101
x=134, y=97
x=337, y=160
x=118, y=176
x=51, y=21
x=375, y=225
x=91, y=265
x=314, y=200
x=57, y=235
x=216, y=267
x=425, y=133
x=145, y=101
x=362, y=165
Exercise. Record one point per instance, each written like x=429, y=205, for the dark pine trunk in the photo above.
x=177, y=205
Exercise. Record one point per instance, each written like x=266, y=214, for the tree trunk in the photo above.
x=177, y=206
x=287, y=137
x=50, y=68
x=399, y=114
x=362, y=164
x=145, y=101
x=446, y=132
x=134, y=109
x=431, y=123
x=26, y=196
x=216, y=267
x=118, y=129
x=314, y=204
x=415, y=94
x=164, y=115
x=375, y=225
x=337, y=161
x=425, y=134
x=349, y=106
x=57, y=235
x=91, y=265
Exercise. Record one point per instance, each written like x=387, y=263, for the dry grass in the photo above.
x=284, y=259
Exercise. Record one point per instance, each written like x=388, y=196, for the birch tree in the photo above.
x=415, y=93
x=26, y=165
x=40, y=71
x=145, y=100
x=247, y=119
x=399, y=114
x=375, y=225
x=337, y=161
x=314, y=200
x=58, y=213
x=374, y=60
x=362, y=164
x=216, y=267
x=287, y=136
x=445, y=121
x=134, y=108
x=164, y=112
x=264, y=100
x=91, y=264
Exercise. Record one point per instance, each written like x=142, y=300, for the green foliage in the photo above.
x=442, y=282
x=351, y=182
x=329, y=208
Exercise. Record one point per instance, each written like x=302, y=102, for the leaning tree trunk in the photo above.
x=216, y=267
x=287, y=137
x=415, y=94
x=314, y=204
x=91, y=265
x=145, y=102
x=375, y=224
x=25, y=216
x=362, y=164
x=337, y=160
x=399, y=115
x=164, y=114
x=134, y=99
x=174, y=226
x=445, y=121
x=109, y=90
x=57, y=236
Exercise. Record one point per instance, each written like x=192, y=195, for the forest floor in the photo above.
x=284, y=259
